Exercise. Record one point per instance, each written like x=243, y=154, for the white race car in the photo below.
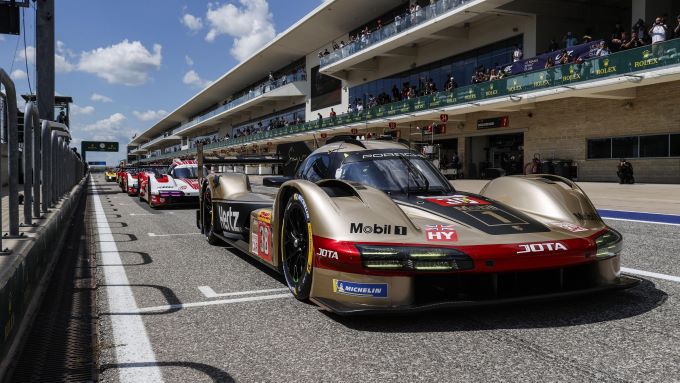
x=177, y=186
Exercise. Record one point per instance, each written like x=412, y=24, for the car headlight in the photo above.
x=413, y=258
x=609, y=244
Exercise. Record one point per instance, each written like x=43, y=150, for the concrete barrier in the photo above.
x=26, y=272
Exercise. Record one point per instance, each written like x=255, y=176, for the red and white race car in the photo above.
x=177, y=186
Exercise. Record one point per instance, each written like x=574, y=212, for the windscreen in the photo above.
x=188, y=172
x=399, y=174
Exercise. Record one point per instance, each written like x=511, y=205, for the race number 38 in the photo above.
x=264, y=241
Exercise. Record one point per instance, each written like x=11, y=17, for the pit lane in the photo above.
x=245, y=327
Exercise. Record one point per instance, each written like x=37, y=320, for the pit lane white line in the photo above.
x=641, y=221
x=210, y=293
x=650, y=274
x=170, y=235
x=132, y=342
x=209, y=303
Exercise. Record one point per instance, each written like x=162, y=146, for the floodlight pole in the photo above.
x=44, y=60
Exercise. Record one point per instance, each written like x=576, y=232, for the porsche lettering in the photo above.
x=541, y=247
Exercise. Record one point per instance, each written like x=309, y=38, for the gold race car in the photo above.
x=372, y=226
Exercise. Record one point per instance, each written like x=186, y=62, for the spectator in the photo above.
x=550, y=62
x=658, y=31
x=333, y=114
x=396, y=95
x=493, y=75
x=569, y=40
x=586, y=39
x=617, y=41
x=676, y=31
x=517, y=54
x=61, y=118
x=641, y=30
x=565, y=57
x=450, y=84
x=553, y=46
x=602, y=50
x=360, y=106
x=634, y=42
x=320, y=118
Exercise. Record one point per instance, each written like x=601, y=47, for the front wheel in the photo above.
x=296, y=247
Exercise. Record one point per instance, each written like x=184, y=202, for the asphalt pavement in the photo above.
x=212, y=314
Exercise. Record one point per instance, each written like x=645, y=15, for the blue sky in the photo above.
x=127, y=63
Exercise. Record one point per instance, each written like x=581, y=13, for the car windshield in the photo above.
x=396, y=175
x=189, y=172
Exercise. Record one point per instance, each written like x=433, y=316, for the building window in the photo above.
x=654, y=146
x=675, y=145
x=600, y=148
x=624, y=147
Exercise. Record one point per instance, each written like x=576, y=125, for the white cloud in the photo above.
x=192, y=78
x=28, y=54
x=108, y=126
x=77, y=110
x=189, y=61
x=61, y=62
x=251, y=25
x=150, y=115
x=100, y=98
x=18, y=74
x=192, y=22
x=127, y=63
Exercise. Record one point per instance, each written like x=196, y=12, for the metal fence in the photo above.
x=50, y=168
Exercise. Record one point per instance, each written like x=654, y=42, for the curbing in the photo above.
x=26, y=277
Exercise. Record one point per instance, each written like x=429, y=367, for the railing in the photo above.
x=398, y=26
x=565, y=76
x=253, y=93
x=156, y=139
x=51, y=169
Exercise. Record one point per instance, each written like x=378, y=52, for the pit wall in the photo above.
x=25, y=273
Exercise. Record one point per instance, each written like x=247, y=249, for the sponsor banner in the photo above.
x=441, y=233
x=371, y=290
x=582, y=51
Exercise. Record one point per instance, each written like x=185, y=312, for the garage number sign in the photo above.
x=99, y=146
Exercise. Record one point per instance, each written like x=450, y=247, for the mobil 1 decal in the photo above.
x=367, y=228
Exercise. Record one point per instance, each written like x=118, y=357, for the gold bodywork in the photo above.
x=551, y=200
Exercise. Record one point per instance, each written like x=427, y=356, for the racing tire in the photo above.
x=297, y=248
x=208, y=219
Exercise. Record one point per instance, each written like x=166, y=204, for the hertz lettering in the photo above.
x=377, y=229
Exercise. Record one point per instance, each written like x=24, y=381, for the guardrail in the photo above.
x=404, y=23
x=568, y=76
x=51, y=169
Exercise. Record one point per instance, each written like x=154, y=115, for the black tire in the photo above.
x=208, y=219
x=296, y=247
